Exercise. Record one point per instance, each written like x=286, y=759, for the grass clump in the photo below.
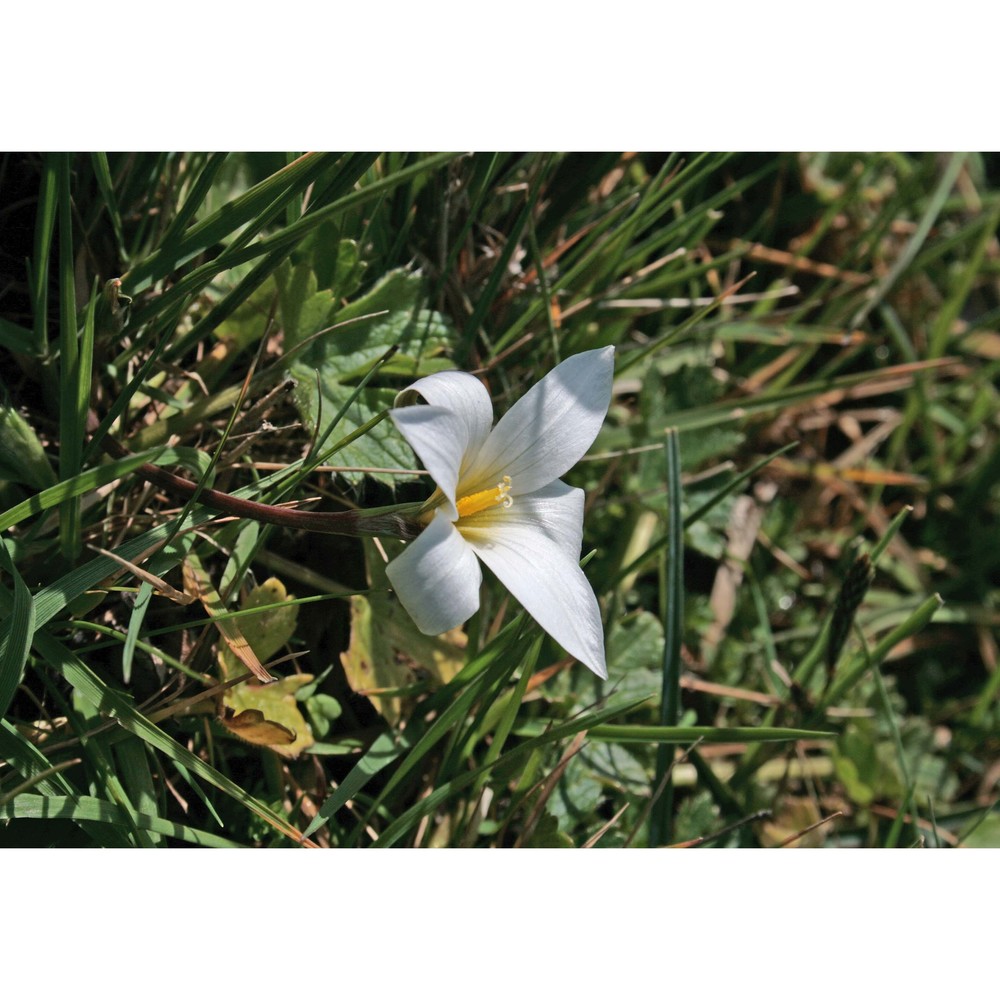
x=789, y=520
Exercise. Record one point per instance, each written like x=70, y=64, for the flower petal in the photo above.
x=534, y=549
x=440, y=439
x=437, y=578
x=548, y=430
x=461, y=392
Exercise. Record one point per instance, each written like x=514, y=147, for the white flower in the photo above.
x=499, y=497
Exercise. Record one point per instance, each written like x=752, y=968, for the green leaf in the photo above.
x=984, y=832
x=297, y=285
x=327, y=368
x=86, y=683
x=576, y=797
x=635, y=655
x=548, y=834
x=75, y=486
x=323, y=710
x=22, y=457
x=383, y=751
x=15, y=338
x=347, y=272
x=84, y=809
x=248, y=321
x=15, y=642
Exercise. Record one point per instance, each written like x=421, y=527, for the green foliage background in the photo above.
x=806, y=368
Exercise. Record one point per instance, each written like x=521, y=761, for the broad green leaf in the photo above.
x=613, y=765
x=329, y=367
x=348, y=269
x=323, y=710
x=576, y=797
x=635, y=654
x=248, y=322
x=697, y=816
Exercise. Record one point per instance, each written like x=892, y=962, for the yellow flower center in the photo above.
x=498, y=496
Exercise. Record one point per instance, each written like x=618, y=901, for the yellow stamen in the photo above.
x=498, y=496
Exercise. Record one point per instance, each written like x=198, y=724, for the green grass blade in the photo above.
x=376, y=758
x=195, y=198
x=448, y=719
x=36, y=780
x=16, y=339
x=16, y=637
x=135, y=621
x=407, y=820
x=704, y=734
x=249, y=209
x=590, y=248
x=972, y=267
x=45, y=222
x=86, y=810
x=137, y=779
x=102, y=173
x=25, y=758
x=467, y=735
x=474, y=325
x=51, y=599
x=697, y=514
x=80, y=484
x=890, y=533
x=933, y=210
x=859, y=665
x=71, y=433
x=672, y=615
x=286, y=239
x=90, y=686
x=103, y=776
x=734, y=484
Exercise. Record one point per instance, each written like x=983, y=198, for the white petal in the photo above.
x=440, y=438
x=549, y=429
x=458, y=391
x=437, y=578
x=534, y=549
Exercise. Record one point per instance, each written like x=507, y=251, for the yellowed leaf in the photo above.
x=388, y=652
x=250, y=725
x=267, y=631
x=268, y=714
x=795, y=815
x=198, y=583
